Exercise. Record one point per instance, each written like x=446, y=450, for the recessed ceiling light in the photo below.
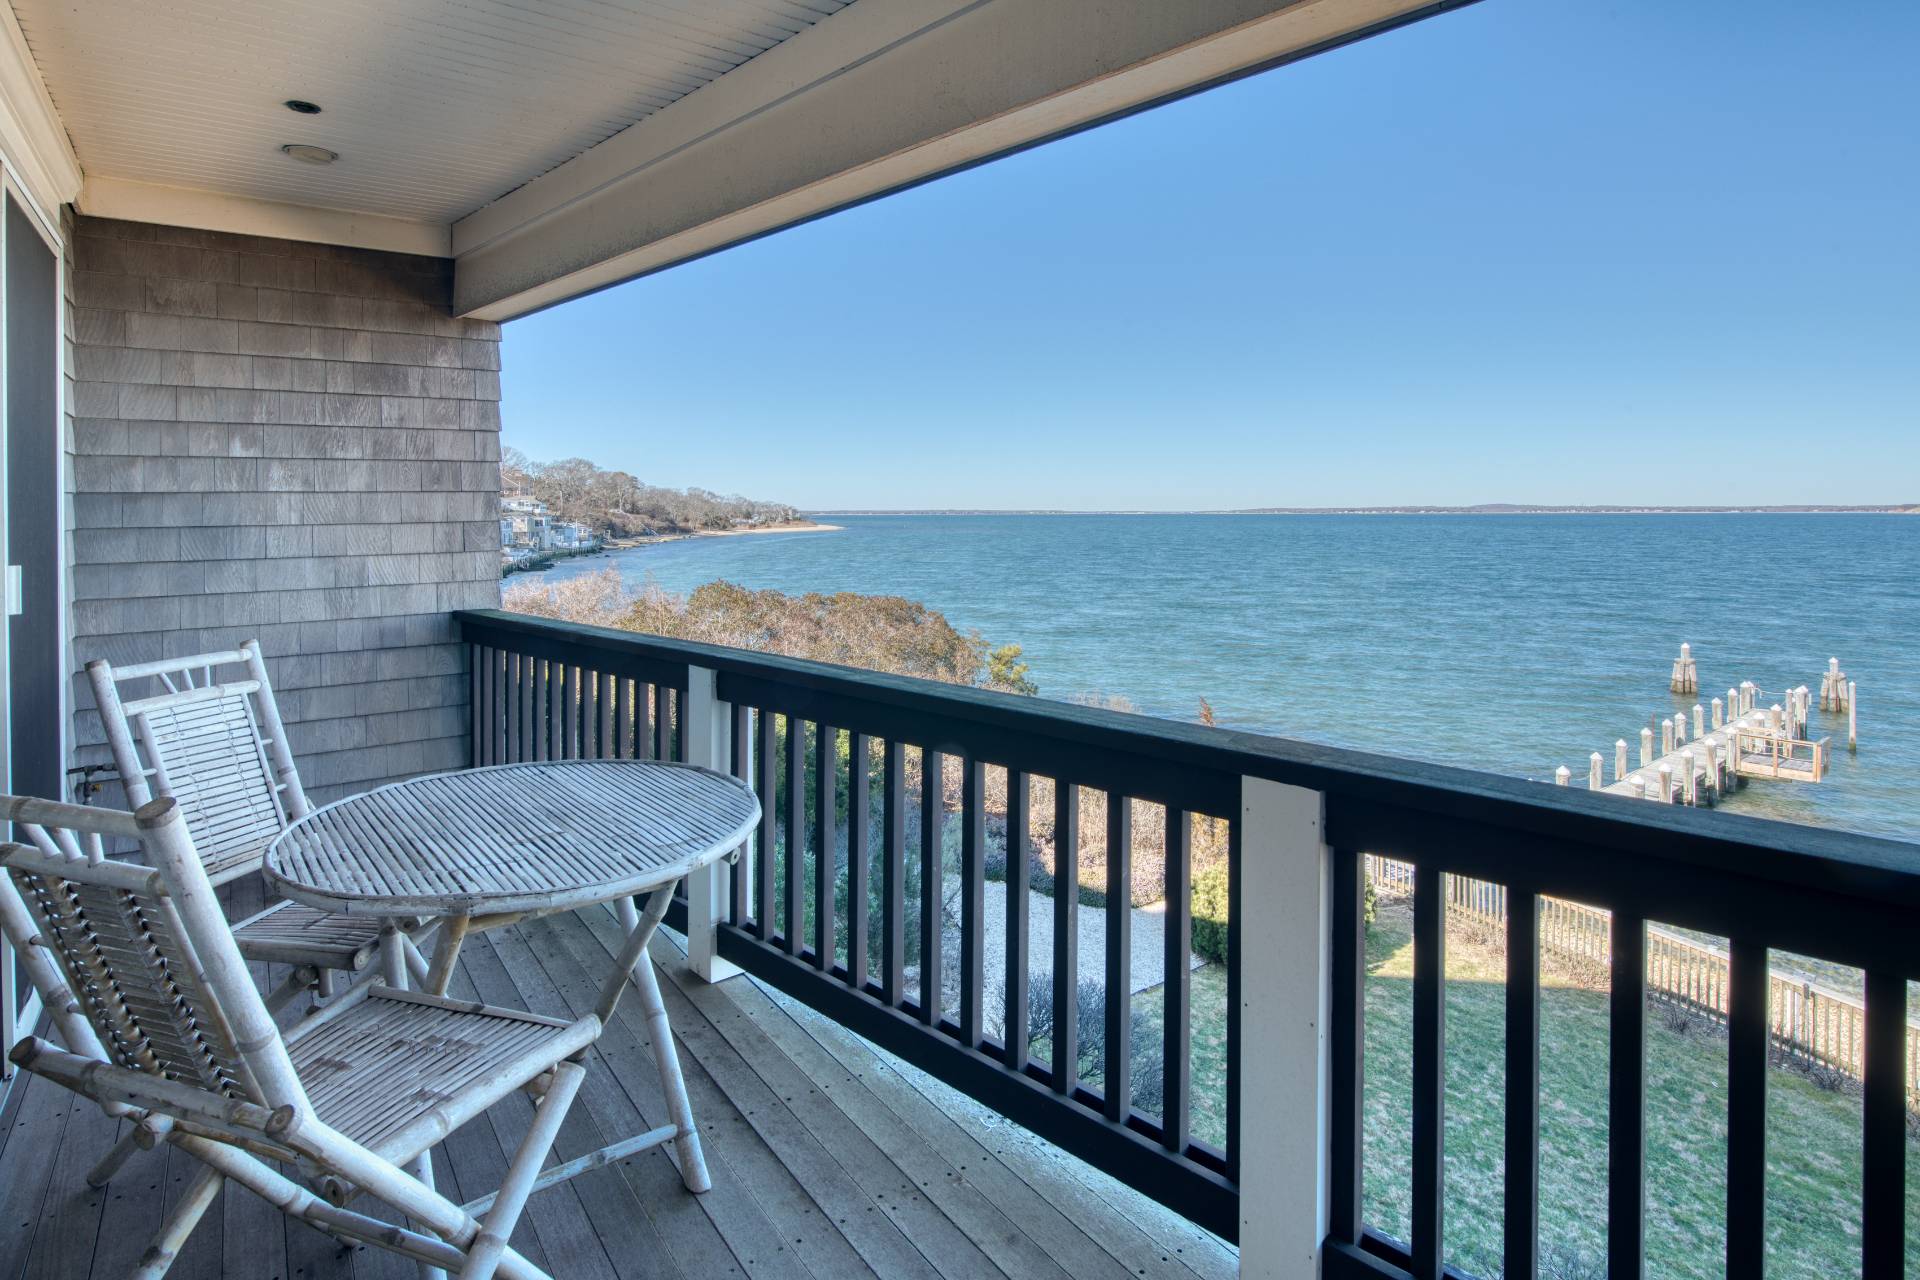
x=303, y=107
x=312, y=155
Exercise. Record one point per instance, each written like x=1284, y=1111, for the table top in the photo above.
x=512, y=837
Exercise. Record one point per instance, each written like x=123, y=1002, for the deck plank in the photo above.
x=627, y=1232
x=681, y=1226
x=863, y=1203
x=816, y=1225
x=828, y=1159
x=938, y=1179
x=889, y=1109
x=41, y=1113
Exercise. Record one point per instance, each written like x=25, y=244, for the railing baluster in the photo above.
x=1429, y=1068
x=1118, y=1085
x=580, y=718
x=741, y=742
x=516, y=707
x=645, y=704
x=826, y=744
x=607, y=684
x=1346, y=1043
x=1522, y=1173
x=1884, y=1154
x=538, y=728
x=859, y=802
x=556, y=711
x=499, y=706
x=1747, y=1109
x=973, y=899
x=1066, y=936
x=1177, y=1003
x=893, y=874
x=620, y=712
x=542, y=709
x=769, y=763
x=933, y=817
x=1626, y=1100
x=476, y=714
x=795, y=862
x=677, y=741
x=1019, y=800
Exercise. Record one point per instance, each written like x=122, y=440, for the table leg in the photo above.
x=635, y=963
x=693, y=1162
x=453, y=932
x=393, y=969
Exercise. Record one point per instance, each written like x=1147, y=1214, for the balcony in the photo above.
x=254, y=397
x=837, y=1095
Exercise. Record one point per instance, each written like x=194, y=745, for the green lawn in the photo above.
x=1813, y=1211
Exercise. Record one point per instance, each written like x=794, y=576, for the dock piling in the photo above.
x=1719, y=713
x=1619, y=759
x=1646, y=747
x=1666, y=736
x=1666, y=784
x=1853, y=716
x=1593, y=769
x=1685, y=678
x=1562, y=776
x=1699, y=722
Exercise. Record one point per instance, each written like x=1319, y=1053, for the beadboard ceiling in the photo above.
x=436, y=107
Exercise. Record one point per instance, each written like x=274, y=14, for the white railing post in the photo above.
x=1286, y=884
x=709, y=743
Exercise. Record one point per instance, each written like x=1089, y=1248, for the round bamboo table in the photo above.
x=482, y=848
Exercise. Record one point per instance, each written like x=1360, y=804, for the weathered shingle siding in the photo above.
x=288, y=441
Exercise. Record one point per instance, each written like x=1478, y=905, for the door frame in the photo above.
x=15, y=1018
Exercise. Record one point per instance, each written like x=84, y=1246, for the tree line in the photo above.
x=617, y=504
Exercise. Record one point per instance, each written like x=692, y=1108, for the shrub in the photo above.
x=1210, y=910
x=1210, y=913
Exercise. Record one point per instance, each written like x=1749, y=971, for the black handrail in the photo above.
x=1839, y=896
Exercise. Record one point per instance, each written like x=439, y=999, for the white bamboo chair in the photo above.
x=220, y=749
x=164, y=1026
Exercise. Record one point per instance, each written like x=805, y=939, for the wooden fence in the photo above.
x=1812, y=1026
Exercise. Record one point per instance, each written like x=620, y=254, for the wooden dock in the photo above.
x=1698, y=759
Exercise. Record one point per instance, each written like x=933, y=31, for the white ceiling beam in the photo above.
x=219, y=211
x=883, y=94
x=32, y=137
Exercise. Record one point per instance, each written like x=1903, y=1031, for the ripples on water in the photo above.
x=1508, y=643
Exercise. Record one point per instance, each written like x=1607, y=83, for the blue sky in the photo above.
x=1534, y=250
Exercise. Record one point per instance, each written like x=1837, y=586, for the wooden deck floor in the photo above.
x=829, y=1159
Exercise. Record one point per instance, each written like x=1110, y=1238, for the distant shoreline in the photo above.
x=1489, y=509
x=648, y=540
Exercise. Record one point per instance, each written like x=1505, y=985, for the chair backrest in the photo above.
x=137, y=963
x=217, y=746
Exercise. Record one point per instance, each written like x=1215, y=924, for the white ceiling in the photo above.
x=436, y=107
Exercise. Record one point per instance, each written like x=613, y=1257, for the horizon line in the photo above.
x=1484, y=508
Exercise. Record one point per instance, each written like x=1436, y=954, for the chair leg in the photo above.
x=343, y=1224
x=101, y=1174
x=194, y=1203
x=693, y=1162
x=483, y=1255
x=292, y=987
x=421, y=1167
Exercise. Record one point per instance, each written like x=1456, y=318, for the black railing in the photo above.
x=1841, y=898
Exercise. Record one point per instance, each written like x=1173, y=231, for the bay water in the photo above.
x=1510, y=643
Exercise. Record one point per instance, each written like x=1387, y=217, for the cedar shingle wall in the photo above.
x=288, y=441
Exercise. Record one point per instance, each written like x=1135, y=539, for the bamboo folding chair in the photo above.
x=220, y=749
x=164, y=1026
